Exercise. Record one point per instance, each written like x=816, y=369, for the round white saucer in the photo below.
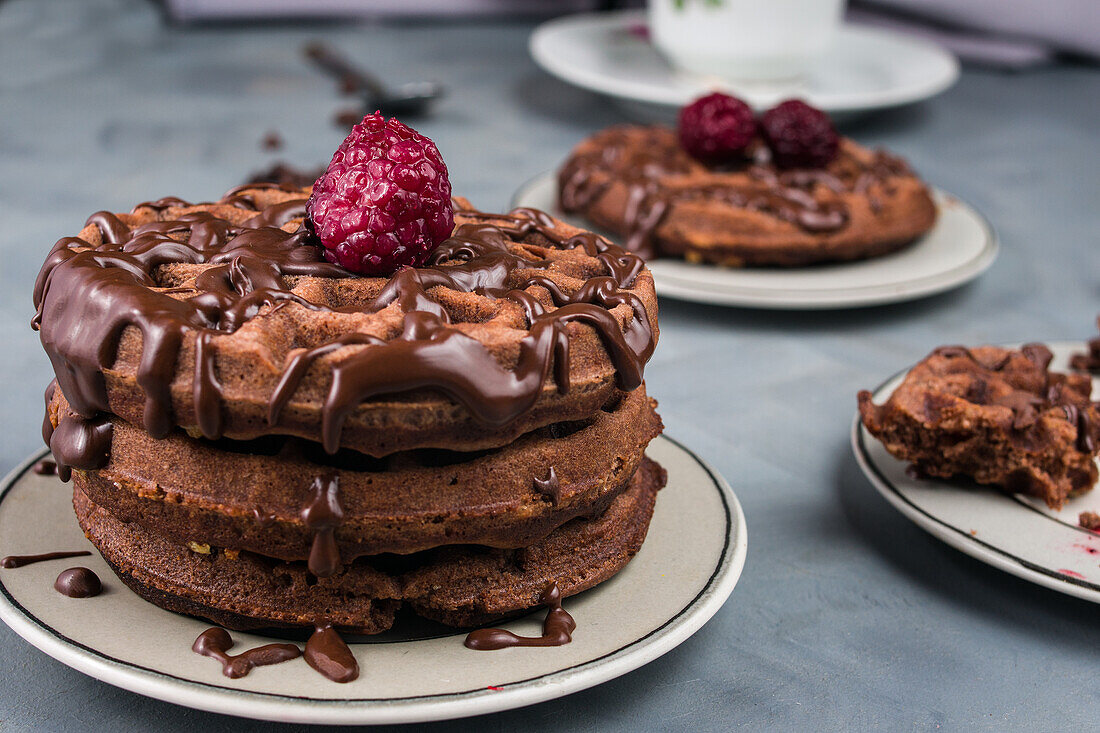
x=683, y=574
x=1015, y=533
x=960, y=247
x=866, y=69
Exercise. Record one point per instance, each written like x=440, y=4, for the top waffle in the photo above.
x=222, y=318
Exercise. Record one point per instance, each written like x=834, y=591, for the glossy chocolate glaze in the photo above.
x=18, y=561
x=216, y=643
x=329, y=654
x=323, y=515
x=87, y=296
x=650, y=171
x=549, y=487
x=1026, y=408
x=78, y=583
x=80, y=443
x=557, y=629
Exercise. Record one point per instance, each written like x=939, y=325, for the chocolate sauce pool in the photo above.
x=78, y=583
x=557, y=629
x=328, y=653
x=216, y=643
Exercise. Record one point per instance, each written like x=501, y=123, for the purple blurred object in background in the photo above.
x=1004, y=33
x=207, y=10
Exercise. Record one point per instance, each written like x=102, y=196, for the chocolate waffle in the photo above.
x=639, y=183
x=221, y=318
x=262, y=438
x=457, y=585
x=251, y=495
x=998, y=416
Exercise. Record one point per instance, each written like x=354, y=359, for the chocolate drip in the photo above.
x=329, y=654
x=216, y=643
x=323, y=515
x=45, y=467
x=80, y=443
x=658, y=173
x=431, y=354
x=87, y=295
x=264, y=519
x=557, y=629
x=1080, y=420
x=18, y=561
x=549, y=487
x=78, y=583
x=47, y=424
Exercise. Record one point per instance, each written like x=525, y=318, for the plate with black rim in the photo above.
x=693, y=555
x=960, y=246
x=1013, y=532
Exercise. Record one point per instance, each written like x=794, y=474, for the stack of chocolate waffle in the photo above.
x=263, y=439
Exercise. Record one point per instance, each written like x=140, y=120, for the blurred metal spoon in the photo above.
x=407, y=100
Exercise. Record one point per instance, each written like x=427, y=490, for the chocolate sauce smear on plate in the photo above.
x=329, y=654
x=78, y=583
x=557, y=629
x=87, y=295
x=45, y=467
x=216, y=643
x=18, y=561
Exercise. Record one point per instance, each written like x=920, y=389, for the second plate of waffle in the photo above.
x=960, y=246
x=1016, y=532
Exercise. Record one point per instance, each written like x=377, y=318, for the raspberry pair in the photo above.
x=718, y=128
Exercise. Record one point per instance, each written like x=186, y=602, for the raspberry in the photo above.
x=716, y=128
x=384, y=201
x=799, y=135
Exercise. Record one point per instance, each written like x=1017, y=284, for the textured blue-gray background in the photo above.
x=847, y=616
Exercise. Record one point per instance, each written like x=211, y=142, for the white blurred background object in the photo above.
x=1003, y=33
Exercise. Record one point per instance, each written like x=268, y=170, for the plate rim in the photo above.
x=417, y=708
x=538, y=48
x=680, y=288
x=954, y=536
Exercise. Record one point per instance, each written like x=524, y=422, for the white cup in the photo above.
x=744, y=40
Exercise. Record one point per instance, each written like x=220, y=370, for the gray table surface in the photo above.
x=847, y=615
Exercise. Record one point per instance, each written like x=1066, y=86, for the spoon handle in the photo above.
x=353, y=78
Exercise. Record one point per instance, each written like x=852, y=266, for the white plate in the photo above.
x=866, y=69
x=684, y=572
x=1015, y=533
x=960, y=247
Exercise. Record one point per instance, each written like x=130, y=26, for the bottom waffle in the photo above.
x=457, y=585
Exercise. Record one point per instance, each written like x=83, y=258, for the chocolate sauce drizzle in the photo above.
x=323, y=515
x=557, y=629
x=647, y=165
x=216, y=643
x=549, y=487
x=328, y=653
x=1026, y=408
x=80, y=443
x=45, y=467
x=86, y=297
x=78, y=583
x=18, y=561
